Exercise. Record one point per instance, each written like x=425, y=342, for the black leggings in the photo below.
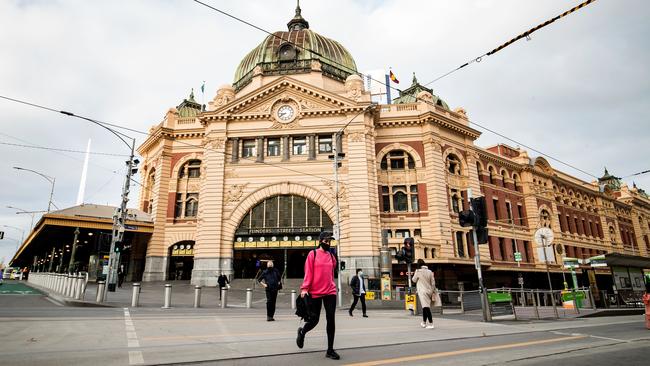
x=426, y=315
x=329, y=302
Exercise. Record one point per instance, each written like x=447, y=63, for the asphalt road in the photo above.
x=38, y=331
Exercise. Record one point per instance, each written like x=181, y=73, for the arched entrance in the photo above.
x=282, y=228
x=181, y=261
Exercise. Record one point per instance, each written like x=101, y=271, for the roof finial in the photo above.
x=298, y=22
x=415, y=80
x=192, y=95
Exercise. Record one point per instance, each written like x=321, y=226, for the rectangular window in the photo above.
x=192, y=205
x=459, y=244
x=402, y=233
x=178, y=207
x=495, y=204
x=285, y=211
x=454, y=201
x=509, y=212
x=273, y=147
x=248, y=149
x=299, y=145
x=324, y=144
x=385, y=196
x=520, y=211
x=418, y=232
x=559, y=218
x=299, y=212
x=415, y=207
x=502, y=250
x=271, y=212
x=194, y=171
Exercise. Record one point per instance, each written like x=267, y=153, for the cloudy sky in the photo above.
x=578, y=90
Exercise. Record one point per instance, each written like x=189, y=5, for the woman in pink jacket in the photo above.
x=319, y=284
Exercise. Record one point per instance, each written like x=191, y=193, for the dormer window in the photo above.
x=287, y=52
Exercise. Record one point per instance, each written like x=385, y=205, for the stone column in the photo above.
x=285, y=148
x=209, y=258
x=312, y=147
x=259, y=141
x=235, y=150
x=155, y=268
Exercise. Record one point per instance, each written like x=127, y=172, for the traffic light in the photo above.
x=342, y=265
x=466, y=218
x=119, y=247
x=480, y=214
x=407, y=250
x=481, y=235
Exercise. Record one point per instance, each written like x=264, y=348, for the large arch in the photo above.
x=399, y=146
x=246, y=249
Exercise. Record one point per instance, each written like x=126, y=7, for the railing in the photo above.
x=71, y=285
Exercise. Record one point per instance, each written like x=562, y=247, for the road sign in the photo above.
x=517, y=256
x=520, y=280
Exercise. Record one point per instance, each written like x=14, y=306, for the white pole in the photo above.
x=338, y=218
x=84, y=172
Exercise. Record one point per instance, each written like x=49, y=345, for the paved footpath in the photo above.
x=36, y=331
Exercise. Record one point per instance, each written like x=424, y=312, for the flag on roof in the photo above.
x=393, y=78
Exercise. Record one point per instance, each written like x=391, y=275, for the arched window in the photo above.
x=191, y=169
x=397, y=160
x=612, y=235
x=191, y=204
x=491, y=173
x=453, y=165
x=426, y=253
x=400, y=198
x=515, y=179
x=545, y=219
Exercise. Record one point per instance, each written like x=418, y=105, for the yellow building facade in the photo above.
x=248, y=178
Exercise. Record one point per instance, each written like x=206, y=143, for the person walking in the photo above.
x=271, y=280
x=359, y=292
x=222, y=280
x=319, y=285
x=120, y=276
x=425, y=284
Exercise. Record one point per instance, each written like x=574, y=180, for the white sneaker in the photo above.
x=423, y=324
x=430, y=326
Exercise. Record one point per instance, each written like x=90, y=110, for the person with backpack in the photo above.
x=318, y=286
x=359, y=292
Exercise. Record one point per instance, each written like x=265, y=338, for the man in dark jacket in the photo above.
x=359, y=292
x=270, y=279
x=222, y=280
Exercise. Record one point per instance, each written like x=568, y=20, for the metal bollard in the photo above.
x=293, y=299
x=79, y=294
x=59, y=283
x=70, y=287
x=249, y=298
x=197, y=296
x=100, y=291
x=74, y=286
x=168, y=296
x=84, y=284
x=224, y=298
x=135, y=297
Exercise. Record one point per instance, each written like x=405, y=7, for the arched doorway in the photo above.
x=282, y=228
x=181, y=261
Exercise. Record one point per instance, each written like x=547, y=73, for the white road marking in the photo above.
x=135, y=357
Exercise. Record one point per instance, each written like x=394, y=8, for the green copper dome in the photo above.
x=293, y=52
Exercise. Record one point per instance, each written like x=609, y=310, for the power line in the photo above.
x=425, y=101
x=526, y=35
x=60, y=149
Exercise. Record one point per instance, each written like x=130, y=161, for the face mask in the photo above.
x=325, y=246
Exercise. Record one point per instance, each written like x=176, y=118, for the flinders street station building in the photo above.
x=248, y=178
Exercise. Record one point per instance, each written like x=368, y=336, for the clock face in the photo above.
x=285, y=113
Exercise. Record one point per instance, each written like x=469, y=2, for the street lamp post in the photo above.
x=52, y=180
x=23, y=211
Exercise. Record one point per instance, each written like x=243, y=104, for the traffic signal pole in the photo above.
x=118, y=223
x=485, y=305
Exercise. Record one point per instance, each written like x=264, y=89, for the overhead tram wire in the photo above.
x=420, y=99
x=183, y=142
x=61, y=150
x=526, y=34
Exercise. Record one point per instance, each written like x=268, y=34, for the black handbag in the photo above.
x=303, y=307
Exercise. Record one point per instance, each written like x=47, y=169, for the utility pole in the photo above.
x=119, y=219
x=337, y=136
